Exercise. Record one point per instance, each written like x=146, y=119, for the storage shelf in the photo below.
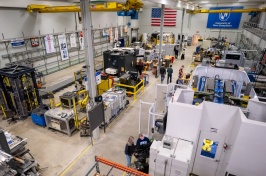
x=37, y=54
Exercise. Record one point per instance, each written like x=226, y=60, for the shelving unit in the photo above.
x=49, y=63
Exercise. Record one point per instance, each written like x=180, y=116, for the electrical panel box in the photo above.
x=170, y=161
x=182, y=157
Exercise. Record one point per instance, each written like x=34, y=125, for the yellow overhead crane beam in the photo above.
x=227, y=11
x=106, y=7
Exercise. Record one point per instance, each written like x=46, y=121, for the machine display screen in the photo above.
x=232, y=56
x=167, y=144
x=96, y=116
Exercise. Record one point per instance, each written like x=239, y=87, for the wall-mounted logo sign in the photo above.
x=17, y=43
x=34, y=42
x=224, y=16
x=224, y=20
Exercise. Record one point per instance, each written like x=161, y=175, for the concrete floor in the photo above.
x=59, y=154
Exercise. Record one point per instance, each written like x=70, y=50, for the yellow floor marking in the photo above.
x=80, y=155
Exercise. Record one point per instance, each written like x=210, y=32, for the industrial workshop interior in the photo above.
x=132, y=88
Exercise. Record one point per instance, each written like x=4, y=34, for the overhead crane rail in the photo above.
x=227, y=10
x=106, y=7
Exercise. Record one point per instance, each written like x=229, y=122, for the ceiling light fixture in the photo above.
x=178, y=4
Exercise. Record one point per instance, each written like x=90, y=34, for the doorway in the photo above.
x=208, y=153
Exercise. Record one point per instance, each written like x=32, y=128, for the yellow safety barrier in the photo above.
x=136, y=89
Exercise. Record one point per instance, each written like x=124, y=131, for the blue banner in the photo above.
x=224, y=20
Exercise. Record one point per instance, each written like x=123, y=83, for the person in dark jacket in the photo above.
x=140, y=66
x=142, y=140
x=176, y=51
x=169, y=74
x=162, y=73
x=129, y=150
x=183, y=54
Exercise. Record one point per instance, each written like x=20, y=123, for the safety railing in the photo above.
x=106, y=167
x=256, y=29
x=132, y=90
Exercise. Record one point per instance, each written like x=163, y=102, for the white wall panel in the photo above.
x=248, y=156
x=183, y=121
x=14, y=22
x=198, y=23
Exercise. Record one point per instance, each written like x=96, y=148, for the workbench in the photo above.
x=167, y=60
x=184, y=79
x=56, y=120
x=169, y=57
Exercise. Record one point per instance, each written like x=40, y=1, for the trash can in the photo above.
x=173, y=58
x=37, y=116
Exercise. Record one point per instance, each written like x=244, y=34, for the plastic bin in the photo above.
x=37, y=116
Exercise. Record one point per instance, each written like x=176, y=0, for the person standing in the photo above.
x=128, y=150
x=183, y=54
x=140, y=67
x=176, y=51
x=180, y=75
x=142, y=140
x=162, y=72
x=169, y=74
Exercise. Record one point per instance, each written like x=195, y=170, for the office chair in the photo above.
x=10, y=115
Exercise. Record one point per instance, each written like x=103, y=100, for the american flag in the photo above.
x=169, y=17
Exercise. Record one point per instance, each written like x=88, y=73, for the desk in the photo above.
x=186, y=81
x=169, y=58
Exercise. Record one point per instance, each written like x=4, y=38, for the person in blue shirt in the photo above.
x=128, y=150
x=169, y=74
x=142, y=140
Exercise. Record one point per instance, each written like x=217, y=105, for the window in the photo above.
x=209, y=148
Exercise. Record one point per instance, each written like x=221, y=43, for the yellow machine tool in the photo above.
x=79, y=84
x=78, y=79
x=207, y=145
x=168, y=38
x=18, y=90
x=106, y=7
